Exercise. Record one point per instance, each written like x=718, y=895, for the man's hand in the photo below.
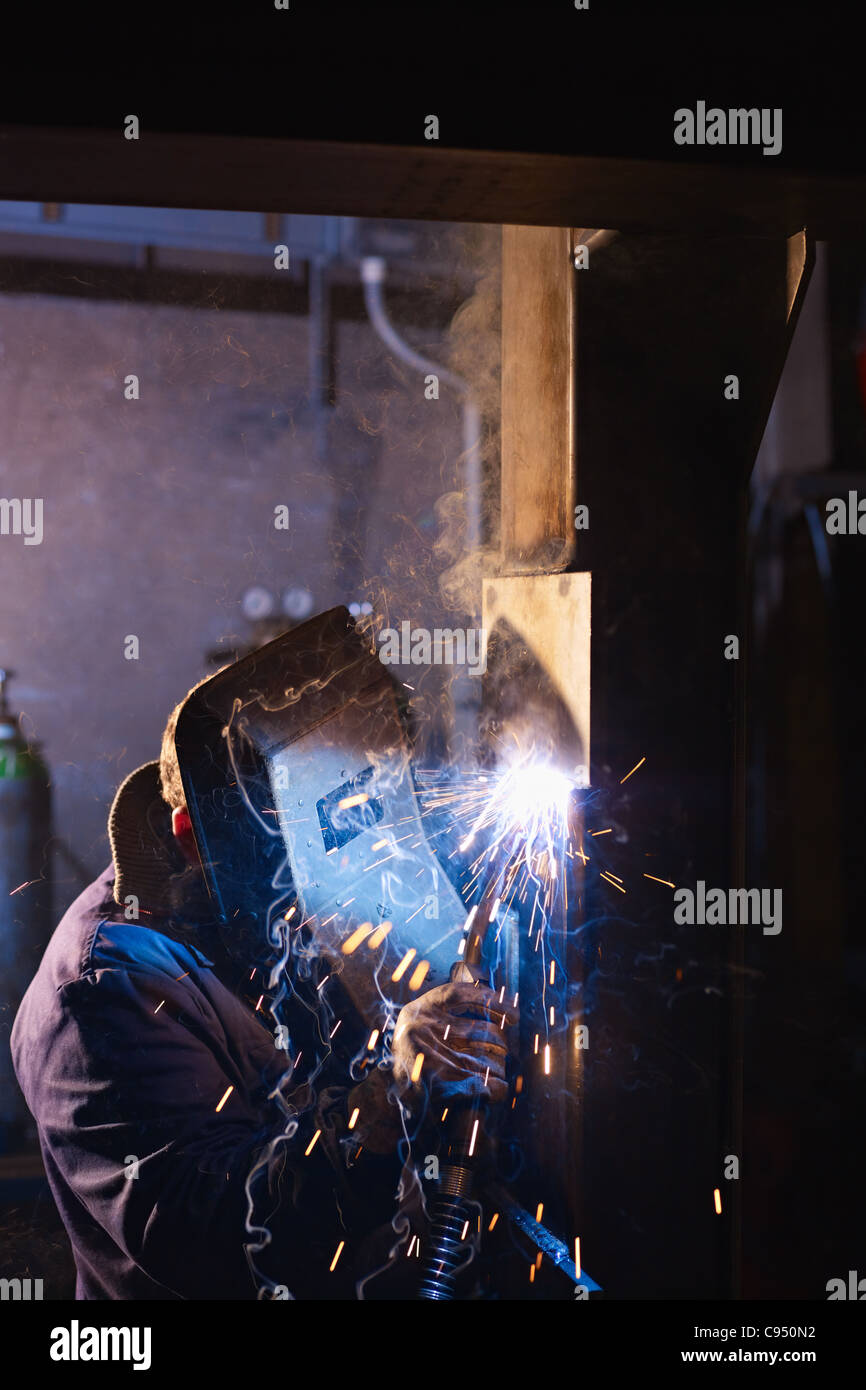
x=460, y=1029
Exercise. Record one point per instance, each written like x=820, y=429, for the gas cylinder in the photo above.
x=25, y=898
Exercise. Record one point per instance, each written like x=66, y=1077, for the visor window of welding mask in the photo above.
x=302, y=805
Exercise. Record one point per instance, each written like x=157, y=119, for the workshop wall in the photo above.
x=158, y=512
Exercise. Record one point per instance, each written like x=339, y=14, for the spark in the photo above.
x=417, y=1065
x=547, y=1059
x=312, y=1144
x=602, y=832
x=22, y=886
x=419, y=974
x=474, y=1137
x=404, y=964
x=577, y=1255
x=612, y=882
x=379, y=935
x=539, y=1212
x=493, y=1221
x=717, y=1198
x=377, y=862
x=224, y=1099
x=337, y=1256
x=159, y=1006
x=358, y=935
x=357, y=800
x=666, y=881
x=634, y=769
x=353, y=1119
x=374, y=1038
x=380, y=844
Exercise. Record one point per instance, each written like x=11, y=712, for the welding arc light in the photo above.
x=534, y=791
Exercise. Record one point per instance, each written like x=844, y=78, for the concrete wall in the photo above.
x=158, y=512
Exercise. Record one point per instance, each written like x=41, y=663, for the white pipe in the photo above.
x=373, y=271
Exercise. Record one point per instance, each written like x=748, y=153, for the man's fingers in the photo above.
x=446, y=1060
x=468, y=1034
x=460, y=999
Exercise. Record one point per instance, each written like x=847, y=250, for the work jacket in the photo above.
x=149, y=1079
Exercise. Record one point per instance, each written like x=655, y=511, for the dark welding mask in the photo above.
x=298, y=779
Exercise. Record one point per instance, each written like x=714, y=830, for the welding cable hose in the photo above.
x=451, y=1209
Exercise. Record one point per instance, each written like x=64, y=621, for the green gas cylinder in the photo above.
x=25, y=897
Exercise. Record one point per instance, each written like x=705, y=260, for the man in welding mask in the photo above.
x=189, y=1156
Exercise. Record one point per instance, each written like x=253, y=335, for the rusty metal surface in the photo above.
x=538, y=399
x=452, y=185
x=542, y=621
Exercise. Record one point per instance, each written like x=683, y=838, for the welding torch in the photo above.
x=450, y=1210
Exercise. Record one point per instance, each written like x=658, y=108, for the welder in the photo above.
x=144, y=1053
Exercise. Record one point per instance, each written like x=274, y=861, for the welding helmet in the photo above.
x=297, y=774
